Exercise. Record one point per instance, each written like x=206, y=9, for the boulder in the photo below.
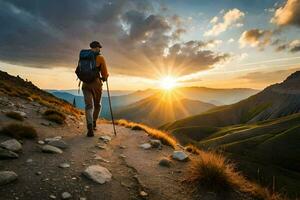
x=156, y=143
x=100, y=146
x=56, y=138
x=122, y=156
x=51, y=149
x=180, y=155
x=98, y=174
x=105, y=138
x=143, y=193
x=23, y=114
x=146, y=146
x=12, y=145
x=4, y=154
x=66, y=195
x=59, y=143
x=64, y=165
x=97, y=157
x=41, y=142
x=7, y=177
x=165, y=162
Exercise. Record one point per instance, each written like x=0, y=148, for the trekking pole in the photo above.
x=111, y=112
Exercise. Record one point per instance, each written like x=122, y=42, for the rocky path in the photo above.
x=126, y=169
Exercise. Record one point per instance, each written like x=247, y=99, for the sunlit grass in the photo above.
x=19, y=131
x=214, y=172
x=17, y=87
x=55, y=116
x=163, y=136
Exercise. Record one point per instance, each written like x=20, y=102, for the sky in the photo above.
x=210, y=43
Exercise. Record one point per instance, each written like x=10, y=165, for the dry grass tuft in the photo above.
x=213, y=172
x=14, y=115
x=55, y=116
x=163, y=136
x=19, y=131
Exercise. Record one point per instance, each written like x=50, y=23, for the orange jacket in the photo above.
x=100, y=62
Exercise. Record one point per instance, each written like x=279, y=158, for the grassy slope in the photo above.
x=261, y=132
x=17, y=87
x=271, y=146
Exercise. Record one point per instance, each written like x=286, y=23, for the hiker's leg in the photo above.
x=97, y=100
x=88, y=100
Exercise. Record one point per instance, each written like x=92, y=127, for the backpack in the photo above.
x=86, y=69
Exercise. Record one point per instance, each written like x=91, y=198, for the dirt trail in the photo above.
x=133, y=168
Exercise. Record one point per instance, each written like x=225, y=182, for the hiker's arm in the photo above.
x=103, y=70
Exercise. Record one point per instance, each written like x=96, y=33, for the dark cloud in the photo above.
x=295, y=48
x=256, y=38
x=136, y=40
x=193, y=55
x=288, y=14
x=292, y=46
x=281, y=47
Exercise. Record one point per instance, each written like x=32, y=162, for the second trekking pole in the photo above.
x=111, y=112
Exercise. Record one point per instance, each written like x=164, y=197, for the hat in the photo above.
x=95, y=44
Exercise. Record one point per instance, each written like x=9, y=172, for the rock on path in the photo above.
x=4, y=154
x=51, y=149
x=165, y=162
x=12, y=145
x=66, y=195
x=7, y=177
x=105, y=138
x=98, y=174
x=59, y=144
x=180, y=155
x=156, y=144
x=146, y=146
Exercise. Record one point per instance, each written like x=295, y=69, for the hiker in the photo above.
x=91, y=64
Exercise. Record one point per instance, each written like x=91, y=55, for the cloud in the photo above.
x=214, y=20
x=256, y=38
x=230, y=40
x=191, y=57
x=178, y=33
x=230, y=19
x=288, y=14
x=292, y=46
x=136, y=39
x=177, y=20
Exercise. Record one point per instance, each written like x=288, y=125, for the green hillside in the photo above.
x=261, y=133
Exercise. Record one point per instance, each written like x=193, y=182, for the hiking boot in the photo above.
x=90, y=132
x=94, y=125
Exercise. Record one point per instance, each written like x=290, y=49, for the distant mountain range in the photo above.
x=194, y=94
x=117, y=101
x=273, y=102
x=216, y=96
x=262, y=132
x=160, y=108
x=75, y=92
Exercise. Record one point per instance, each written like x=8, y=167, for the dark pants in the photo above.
x=92, y=93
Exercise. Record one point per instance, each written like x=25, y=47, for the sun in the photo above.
x=168, y=83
